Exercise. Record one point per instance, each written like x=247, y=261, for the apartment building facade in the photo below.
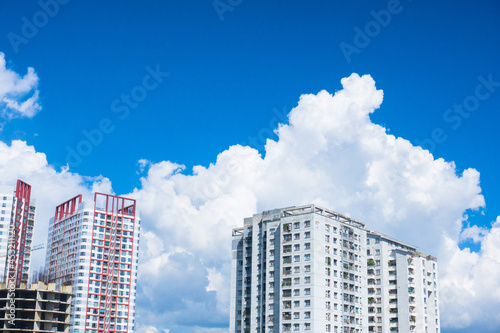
x=299, y=269
x=93, y=246
x=307, y=268
x=17, y=220
x=402, y=287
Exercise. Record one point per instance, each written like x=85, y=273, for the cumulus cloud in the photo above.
x=329, y=153
x=470, y=288
x=19, y=95
x=474, y=233
x=50, y=187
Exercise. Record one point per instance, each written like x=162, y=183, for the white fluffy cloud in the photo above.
x=50, y=187
x=18, y=94
x=470, y=288
x=330, y=153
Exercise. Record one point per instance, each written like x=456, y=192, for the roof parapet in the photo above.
x=307, y=209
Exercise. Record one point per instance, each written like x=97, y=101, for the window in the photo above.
x=307, y=303
x=296, y=315
x=307, y=246
x=307, y=279
x=307, y=291
x=307, y=257
x=307, y=224
x=296, y=258
x=307, y=234
x=307, y=314
x=296, y=236
x=307, y=268
x=296, y=292
x=296, y=225
x=296, y=247
x=296, y=304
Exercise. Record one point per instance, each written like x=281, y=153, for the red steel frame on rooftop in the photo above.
x=116, y=207
x=67, y=208
x=17, y=241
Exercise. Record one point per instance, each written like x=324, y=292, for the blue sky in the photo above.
x=224, y=74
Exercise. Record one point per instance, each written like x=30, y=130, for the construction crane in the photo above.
x=34, y=248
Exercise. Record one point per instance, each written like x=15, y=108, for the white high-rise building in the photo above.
x=402, y=287
x=17, y=220
x=299, y=269
x=311, y=269
x=94, y=247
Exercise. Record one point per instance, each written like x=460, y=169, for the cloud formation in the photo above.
x=50, y=187
x=470, y=287
x=329, y=153
x=19, y=96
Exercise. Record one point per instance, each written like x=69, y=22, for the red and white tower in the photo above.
x=94, y=247
x=17, y=219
